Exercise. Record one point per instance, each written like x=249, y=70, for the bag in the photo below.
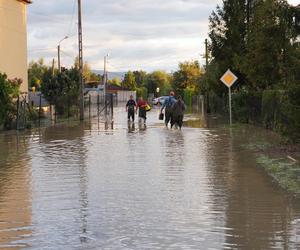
x=147, y=107
x=161, y=116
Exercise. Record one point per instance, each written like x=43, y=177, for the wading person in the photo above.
x=131, y=108
x=168, y=104
x=177, y=113
x=141, y=105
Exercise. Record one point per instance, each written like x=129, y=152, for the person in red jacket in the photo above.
x=141, y=105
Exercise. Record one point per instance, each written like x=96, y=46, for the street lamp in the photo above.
x=58, y=52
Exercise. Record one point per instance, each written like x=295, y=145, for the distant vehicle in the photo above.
x=159, y=100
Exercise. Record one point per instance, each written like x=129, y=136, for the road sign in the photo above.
x=229, y=78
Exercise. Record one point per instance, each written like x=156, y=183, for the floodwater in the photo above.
x=81, y=186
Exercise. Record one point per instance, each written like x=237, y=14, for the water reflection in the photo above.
x=258, y=214
x=60, y=204
x=15, y=191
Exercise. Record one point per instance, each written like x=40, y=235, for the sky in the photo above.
x=136, y=34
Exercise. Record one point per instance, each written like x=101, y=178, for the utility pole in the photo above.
x=80, y=58
x=53, y=62
x=58, y=58
x=206, y=54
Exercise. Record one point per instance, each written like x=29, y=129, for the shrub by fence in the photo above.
x=278, y=110
x=281, y=111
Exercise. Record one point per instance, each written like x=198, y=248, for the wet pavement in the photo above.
x=87, y=186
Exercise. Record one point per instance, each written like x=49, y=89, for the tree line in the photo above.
x=58, y=87
x=185, y=80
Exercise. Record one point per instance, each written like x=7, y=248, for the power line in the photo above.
x=72, y=18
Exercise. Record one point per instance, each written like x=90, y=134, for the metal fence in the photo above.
x=36, y=112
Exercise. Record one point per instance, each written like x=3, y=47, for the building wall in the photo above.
x=13, y=40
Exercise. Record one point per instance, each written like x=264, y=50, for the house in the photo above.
x=13, y=40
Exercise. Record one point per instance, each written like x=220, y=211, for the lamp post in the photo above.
x=58, y=53
x=105, y=76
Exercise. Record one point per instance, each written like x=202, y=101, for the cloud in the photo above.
x=139, y=34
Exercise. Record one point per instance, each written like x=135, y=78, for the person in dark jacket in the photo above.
x=131, y=108
x=177, y=113
x=168, y=105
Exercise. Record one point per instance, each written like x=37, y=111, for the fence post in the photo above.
x=18, y=111
x=24, y=113
x=90, y=106
x=40, y=109
x=112, y=105
x=105, y=107
x=98, y=103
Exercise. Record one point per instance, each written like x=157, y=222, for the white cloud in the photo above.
x=144, y=34
x=139, y=34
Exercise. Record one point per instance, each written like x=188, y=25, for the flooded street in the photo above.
x=81, y=186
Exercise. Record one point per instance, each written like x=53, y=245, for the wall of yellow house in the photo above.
x=13, y=40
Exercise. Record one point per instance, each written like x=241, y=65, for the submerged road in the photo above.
x=81, y=186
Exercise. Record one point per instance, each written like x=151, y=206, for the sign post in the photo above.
x=229, y=79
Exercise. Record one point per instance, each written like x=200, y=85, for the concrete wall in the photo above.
x=123, y=96
x=13, y=40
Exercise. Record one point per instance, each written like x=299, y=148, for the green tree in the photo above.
x=62, y=89
x=129, y=81
x=140, y=77
x=158, y=79
x=187, y=77
x=228, y=35
x=267, y=45
x=36, y=71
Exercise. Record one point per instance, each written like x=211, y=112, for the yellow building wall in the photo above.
x=13, y=41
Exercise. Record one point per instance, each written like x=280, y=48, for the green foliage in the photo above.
x=187, y=77
x=9, y=89
x=129, y=81
x=259, y=42
x=188, y=96
x=115, y=81
x=140, y=77
x=62, y=89
x=281, y=111
x=142, y=91
x=286, y=173
x=158, y=79
x=36, y=71
x=246, y=106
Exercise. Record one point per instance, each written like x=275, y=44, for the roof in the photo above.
x=25, y=1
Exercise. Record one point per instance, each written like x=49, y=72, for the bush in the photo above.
x=281, y=111
x=9, y=89
x=246, y=106
x=188, y=96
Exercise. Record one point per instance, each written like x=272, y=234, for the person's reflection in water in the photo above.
x=131, y=127
x=174, y=156
x=142, y=126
